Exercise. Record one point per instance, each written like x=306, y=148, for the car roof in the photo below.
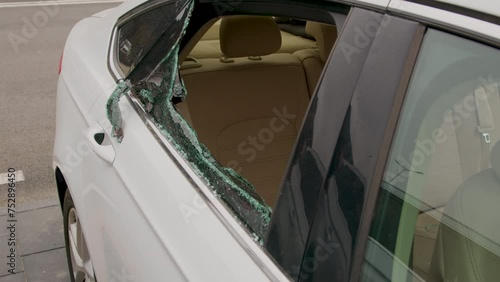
x=486, y=10
x=464, y=7
x=479, y=9
x=491, y=7
x=479, y=19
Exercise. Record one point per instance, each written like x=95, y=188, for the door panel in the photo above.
x=119, y=235
x=144, y=217
x=328, y=184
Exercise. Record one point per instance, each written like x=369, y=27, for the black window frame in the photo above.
x=319, y=118
x=388, y=137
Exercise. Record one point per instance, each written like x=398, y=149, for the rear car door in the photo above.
x=117, y=177
x=317, y=227
x=144, y=217
x=435, y=215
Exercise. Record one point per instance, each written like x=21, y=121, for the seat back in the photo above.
x=209, y=45
x=468, y=243
x=462, y=152
x=314, y=59
x=247, y=107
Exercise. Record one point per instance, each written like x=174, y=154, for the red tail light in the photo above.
x=60, y=63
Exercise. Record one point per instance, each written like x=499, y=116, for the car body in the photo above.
x=139, y=205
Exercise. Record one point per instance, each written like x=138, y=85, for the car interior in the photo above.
x=442, y=207
x=249, y=81
x=465, y=153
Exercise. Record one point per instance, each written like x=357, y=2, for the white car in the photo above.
x=272, y=140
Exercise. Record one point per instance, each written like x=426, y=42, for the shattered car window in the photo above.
x=139, y=34
x=156, y=93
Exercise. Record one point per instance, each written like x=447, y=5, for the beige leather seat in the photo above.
x=468, y=243
x=462, y=154
x=209, y=45
x=248, y=106
x=314, y=59
x=292, y=43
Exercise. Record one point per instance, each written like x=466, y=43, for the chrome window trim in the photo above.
x=476, y=29
x=113, y=66
x=376, y=4
x=485, y=12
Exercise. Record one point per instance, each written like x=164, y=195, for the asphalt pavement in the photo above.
x=29, y=60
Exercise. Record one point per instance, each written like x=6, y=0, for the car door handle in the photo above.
x=96, y=136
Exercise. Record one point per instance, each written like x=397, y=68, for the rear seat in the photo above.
x=209, y=45
x=236, y=104
x=314, y=59
x=461, y=155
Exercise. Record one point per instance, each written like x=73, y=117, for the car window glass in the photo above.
x=137, y=35
x=435, y=218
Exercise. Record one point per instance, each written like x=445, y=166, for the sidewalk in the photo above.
x=40, y=250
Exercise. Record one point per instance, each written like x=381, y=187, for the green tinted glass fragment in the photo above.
x=157, y=93
x=113, y=110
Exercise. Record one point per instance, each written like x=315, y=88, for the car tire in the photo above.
x=79, y=262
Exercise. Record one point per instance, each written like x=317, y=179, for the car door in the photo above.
x=119, y=177
x=147, y=215
x=439, y=191
x=317, y=225
x=133, y=189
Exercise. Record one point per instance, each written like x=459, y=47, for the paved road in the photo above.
x=28, y=81
x=28, y=78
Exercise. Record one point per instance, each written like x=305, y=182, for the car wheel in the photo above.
x=79, y=262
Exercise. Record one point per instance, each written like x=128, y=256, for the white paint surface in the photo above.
x=54, y=3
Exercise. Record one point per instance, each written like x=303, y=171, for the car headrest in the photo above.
x=325, y=36
x=495, y=159
x=247, y=36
